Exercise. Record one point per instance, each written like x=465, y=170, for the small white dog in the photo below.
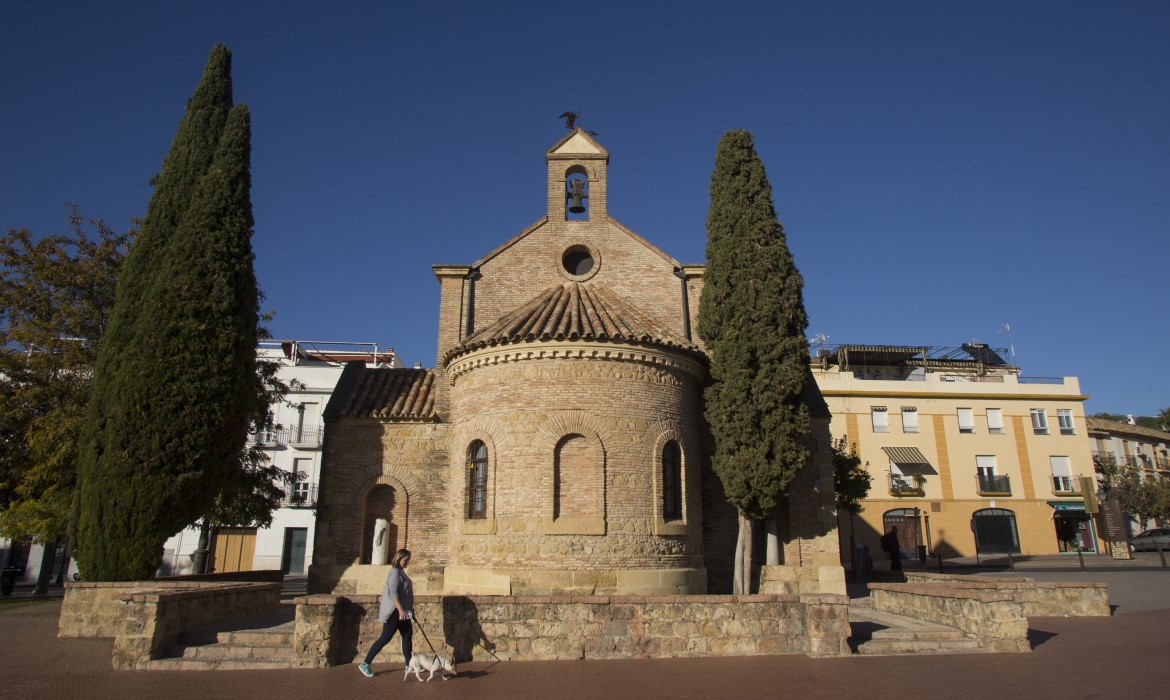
x=426, y=662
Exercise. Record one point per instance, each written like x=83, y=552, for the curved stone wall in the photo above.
x=575, y=432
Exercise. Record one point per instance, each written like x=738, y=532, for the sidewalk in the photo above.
x=1072, y=658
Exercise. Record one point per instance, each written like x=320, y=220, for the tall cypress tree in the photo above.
x=752, y=319
x=175, y=382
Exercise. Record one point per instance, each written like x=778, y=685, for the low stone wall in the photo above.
x=1040, y=599
x=995, y=618
x=151, y=621
x=333, y=630
x=94, y=609
x=782, y=579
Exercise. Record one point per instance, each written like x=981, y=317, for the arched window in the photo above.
x=671, y=482
x=477, y=469
x=995, y=531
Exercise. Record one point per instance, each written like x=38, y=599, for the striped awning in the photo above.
x=905, y=455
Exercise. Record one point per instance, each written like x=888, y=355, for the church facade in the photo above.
x=558, y=446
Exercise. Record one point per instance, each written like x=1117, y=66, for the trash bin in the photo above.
x=8, y=580
x=862, y=564
x=922, y=553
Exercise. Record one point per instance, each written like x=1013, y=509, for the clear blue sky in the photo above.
x=940, y=168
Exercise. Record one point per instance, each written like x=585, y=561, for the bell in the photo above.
x=576, y=193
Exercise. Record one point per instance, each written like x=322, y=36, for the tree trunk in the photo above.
x=46, y=572
x=742, y=578
x=199, y=557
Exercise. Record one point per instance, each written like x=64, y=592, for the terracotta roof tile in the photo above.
x=574, y=311
x=392, y=393
x=1112, y=426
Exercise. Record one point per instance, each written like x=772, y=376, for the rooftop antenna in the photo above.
x=818, y=340
x=1007, y=327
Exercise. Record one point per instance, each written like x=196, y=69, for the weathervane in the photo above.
x=571, y=121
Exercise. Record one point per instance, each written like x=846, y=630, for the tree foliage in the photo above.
x=175, y=385
x=851, y=481
x=56, y=294
x=1143, y=494
x=752, y=319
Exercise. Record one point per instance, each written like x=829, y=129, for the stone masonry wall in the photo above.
x=592, y=627
x=95, y=608
x=623, y=412
x=410, y=458
x=152, y=621
x=995, y=618
x=1040, y=599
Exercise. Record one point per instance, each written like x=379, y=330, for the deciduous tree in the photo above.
x=851, y=481
x=56, y=293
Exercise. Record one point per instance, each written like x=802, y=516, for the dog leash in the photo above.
x=432, y=646
x=424, y=633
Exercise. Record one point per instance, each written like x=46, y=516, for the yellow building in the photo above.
x=967, y=456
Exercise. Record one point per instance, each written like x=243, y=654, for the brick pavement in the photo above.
x=1072, y=658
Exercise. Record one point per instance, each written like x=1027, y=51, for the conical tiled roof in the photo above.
x=575, y=311
x=392, y=393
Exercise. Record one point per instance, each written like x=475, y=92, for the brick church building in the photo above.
x=559, y=445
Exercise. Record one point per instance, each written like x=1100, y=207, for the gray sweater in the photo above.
x=398, y=585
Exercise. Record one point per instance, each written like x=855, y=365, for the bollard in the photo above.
x=940, y=567
x=1081, y=556
x=1011, y=562
x=1162, y=553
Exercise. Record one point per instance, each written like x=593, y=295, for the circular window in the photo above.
x=580, y=262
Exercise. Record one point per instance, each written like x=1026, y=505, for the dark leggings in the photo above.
x=389, y=627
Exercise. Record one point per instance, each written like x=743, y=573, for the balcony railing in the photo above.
x=902, y=486
x=1040, y=380
x=305, y=436
x=1065, y=485
x=994, y=485
x=300, y=496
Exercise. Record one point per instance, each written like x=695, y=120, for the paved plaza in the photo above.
x=1120, y=656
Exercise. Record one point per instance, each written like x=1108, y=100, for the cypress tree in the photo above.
x=752, y=319
x=175, y=382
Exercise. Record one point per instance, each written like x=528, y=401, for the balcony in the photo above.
x=903, y=486
x=301, y=495
x=1065, y=486
x=306, y=436
x=994, y=485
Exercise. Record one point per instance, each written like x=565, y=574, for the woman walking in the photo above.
x=395, y=611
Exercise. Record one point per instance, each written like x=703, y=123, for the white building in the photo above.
x=311, y=370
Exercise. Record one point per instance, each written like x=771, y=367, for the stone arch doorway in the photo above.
x=381, y=502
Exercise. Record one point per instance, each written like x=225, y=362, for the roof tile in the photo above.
x=574, y=311
x=393, y=393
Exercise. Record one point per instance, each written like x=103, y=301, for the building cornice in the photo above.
x=575, y=350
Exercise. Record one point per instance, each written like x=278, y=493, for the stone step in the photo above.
x=879, y=633
x=231, y=652
x=234, y=646
x=894, y=647
x=224, y=665
x=257, y=638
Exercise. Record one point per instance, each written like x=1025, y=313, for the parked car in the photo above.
x=1151, y=540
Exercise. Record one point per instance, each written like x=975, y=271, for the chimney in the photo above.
x=1129, y=419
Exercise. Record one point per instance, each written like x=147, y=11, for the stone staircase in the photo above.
x=878, y=633
x=252, y=643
